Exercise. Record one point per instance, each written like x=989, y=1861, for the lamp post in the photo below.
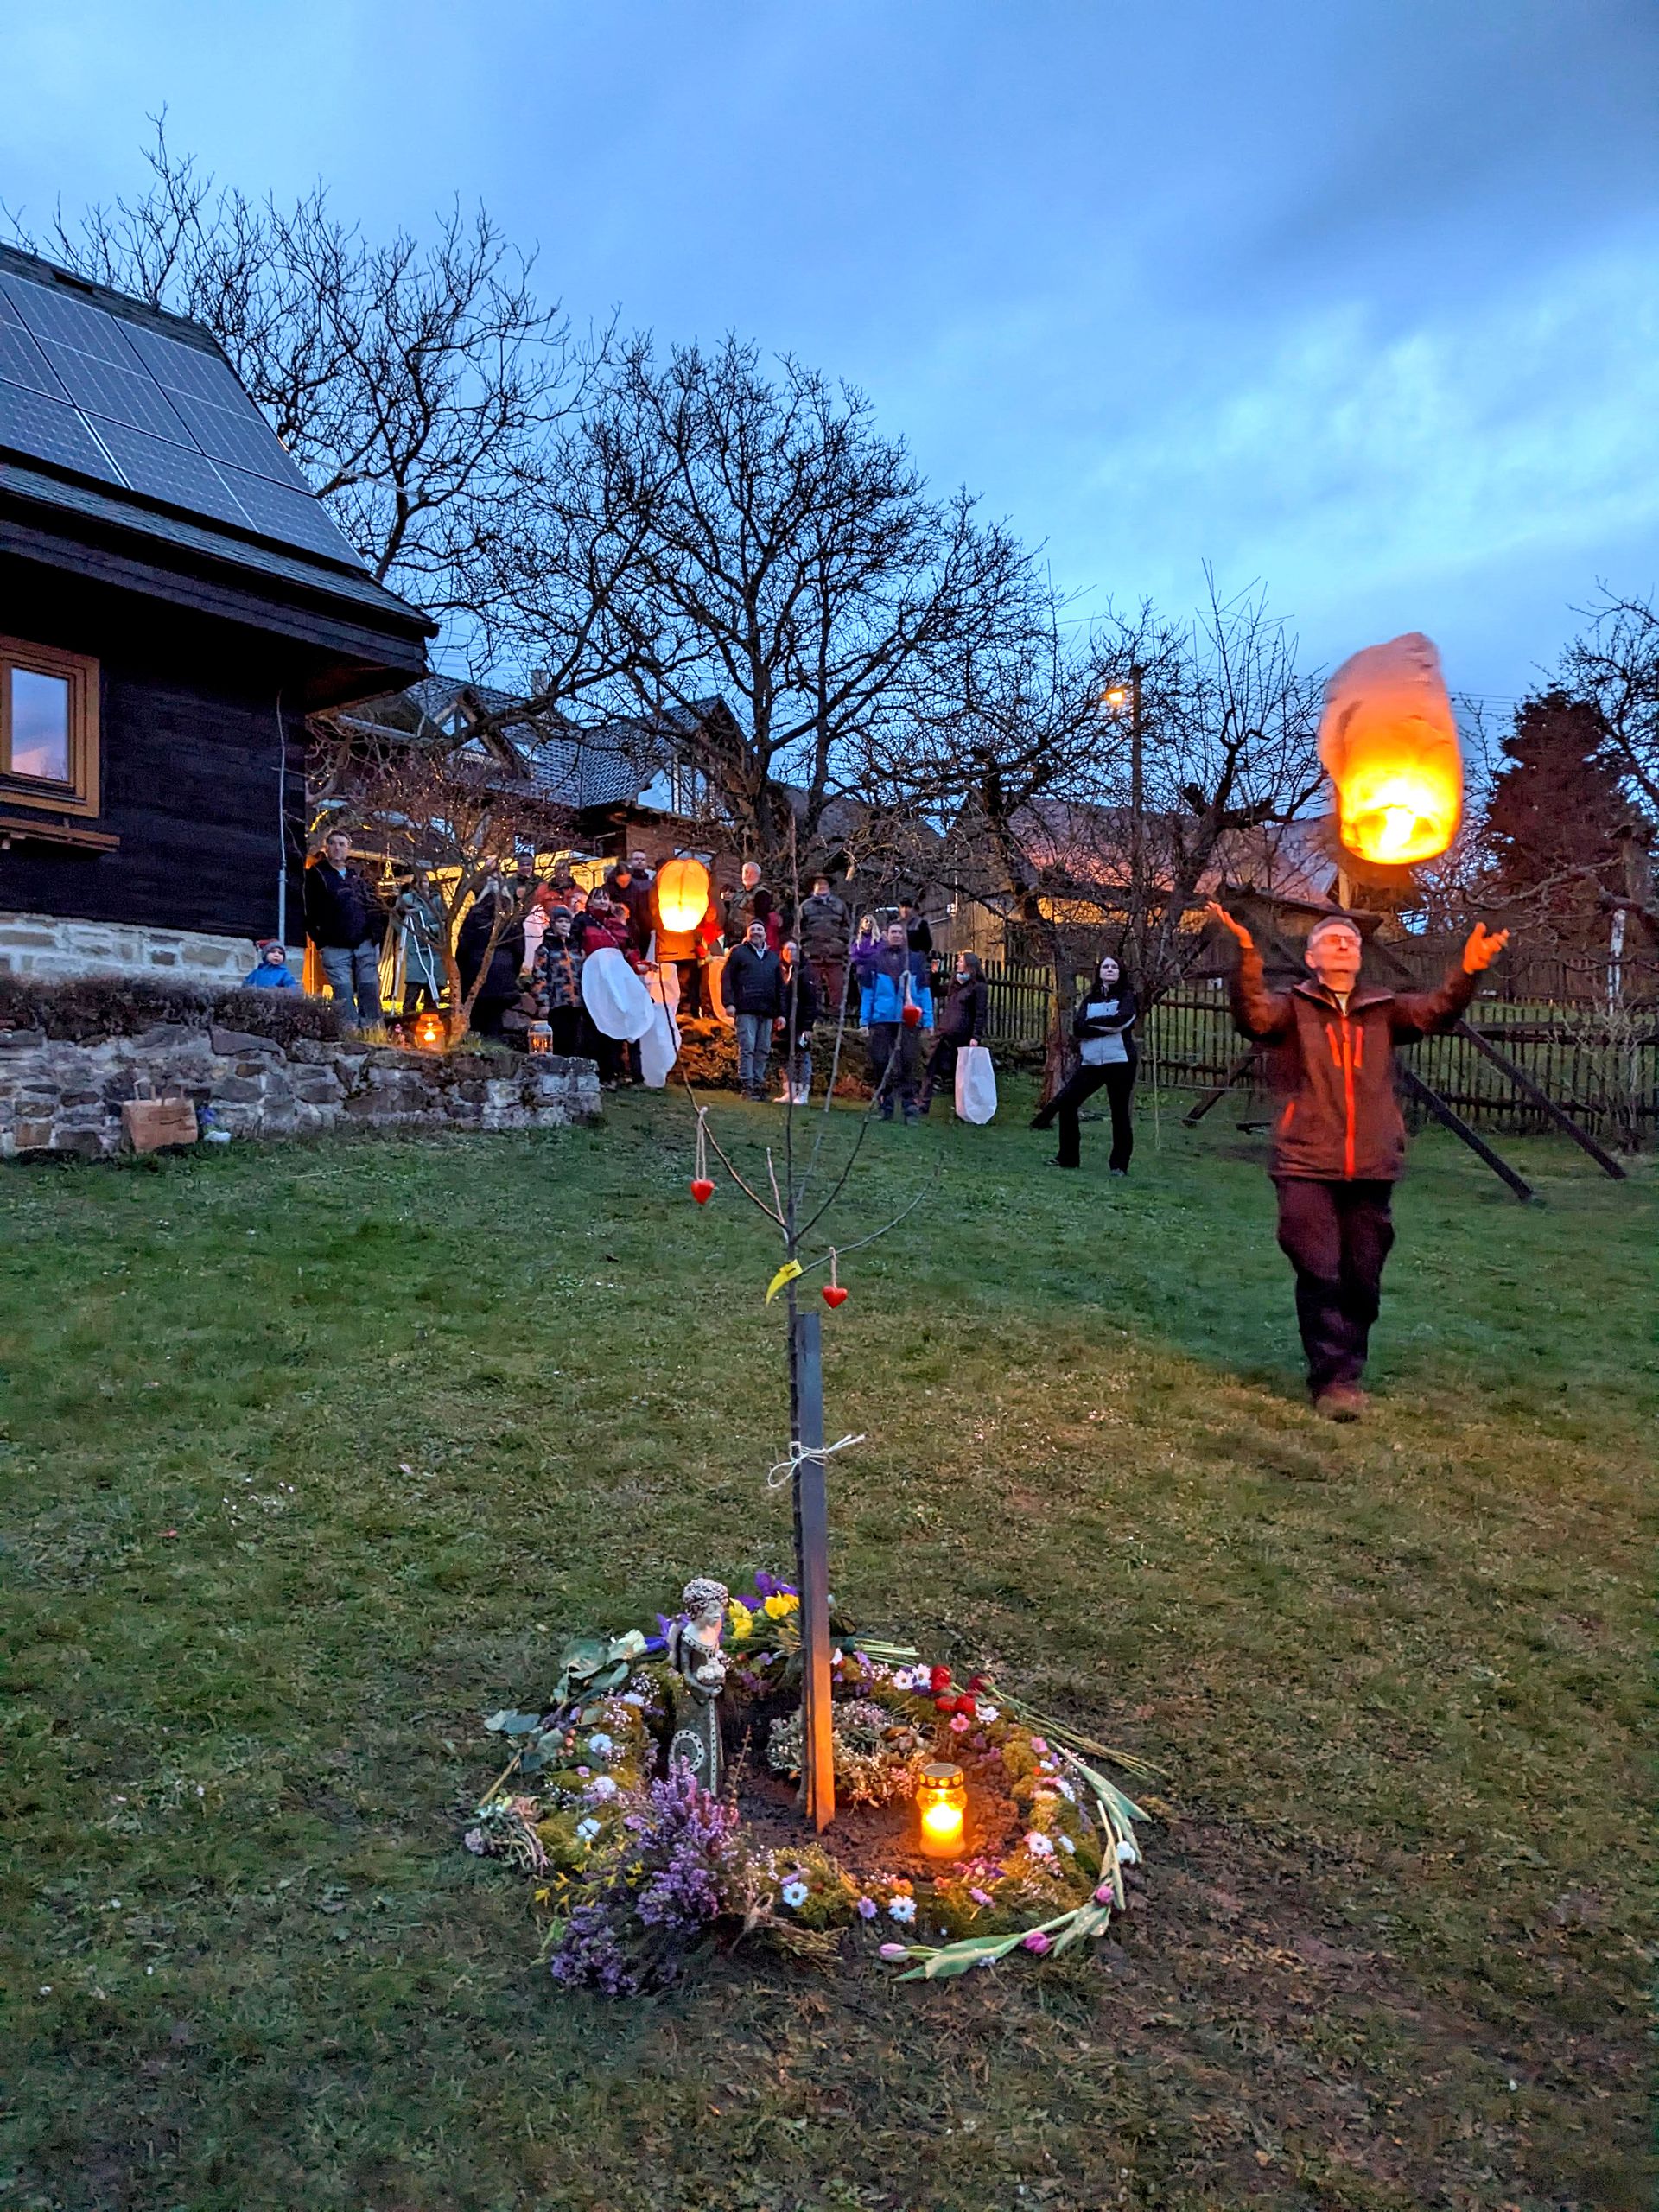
x=1116, y=700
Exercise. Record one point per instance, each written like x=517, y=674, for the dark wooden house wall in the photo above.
x=189, y=737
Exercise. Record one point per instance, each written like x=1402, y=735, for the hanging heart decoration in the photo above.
x=834, y=1295
x=701, y=1189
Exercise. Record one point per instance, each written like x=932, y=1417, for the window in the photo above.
x=48, y=728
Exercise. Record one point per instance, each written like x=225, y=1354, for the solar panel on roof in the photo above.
x=51, y=430
x=120, y=395
x=22, y=362
x=245, y=439
x=167, y=418
x=294, y=516
x=52, y=313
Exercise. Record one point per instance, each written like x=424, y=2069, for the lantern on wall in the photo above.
x=539, y=1037
x=942, y=1803
x=430, y=1030
x=1389, y=740
x=682, y=889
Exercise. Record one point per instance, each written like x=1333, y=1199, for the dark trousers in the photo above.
x=565, y=1022
x=830, y=976
x=895, y=1055
x=942, y=1070
x=1117, y=1080
x=1336, y=1236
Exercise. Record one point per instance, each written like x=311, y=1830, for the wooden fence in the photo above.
x=1600, y=1063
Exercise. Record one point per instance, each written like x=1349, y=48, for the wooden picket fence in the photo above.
x=1600, y=1063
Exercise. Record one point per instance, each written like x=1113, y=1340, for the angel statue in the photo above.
x=699, y=1668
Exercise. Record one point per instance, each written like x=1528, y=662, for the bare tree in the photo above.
x=445, y=812
x=720, y=528
x=1614, y=663
x=416, y=385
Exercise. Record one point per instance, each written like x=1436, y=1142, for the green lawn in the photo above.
x=309, y=1454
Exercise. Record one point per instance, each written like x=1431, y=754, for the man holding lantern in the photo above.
x=1339, y=1141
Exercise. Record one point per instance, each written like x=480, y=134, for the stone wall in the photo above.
x=58, y=1097
x=53, y=946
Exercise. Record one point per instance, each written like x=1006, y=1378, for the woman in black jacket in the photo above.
x=1104, y=1028
x=962, y=1021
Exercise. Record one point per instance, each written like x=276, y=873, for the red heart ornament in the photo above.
x=834, y=1294
x=701, y=1190
x=912, y=1017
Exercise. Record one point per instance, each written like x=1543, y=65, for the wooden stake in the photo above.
x=812, y=1554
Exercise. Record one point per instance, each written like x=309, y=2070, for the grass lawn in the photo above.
x=310, y=1455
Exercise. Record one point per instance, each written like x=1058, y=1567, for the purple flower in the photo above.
x=981, y=1896
x=867, y=1908
x=1103, y=1894
x=895, y=1951
x=765, y=1586
x=1037, y=1942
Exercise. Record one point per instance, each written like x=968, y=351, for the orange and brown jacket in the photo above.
x=1341, y=1120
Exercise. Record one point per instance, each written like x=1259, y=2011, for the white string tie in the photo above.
x=786, y=1470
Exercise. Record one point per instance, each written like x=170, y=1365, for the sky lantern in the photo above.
x=1389, y=740
x=682, y=895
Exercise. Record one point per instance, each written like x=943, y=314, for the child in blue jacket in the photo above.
x=273, y=972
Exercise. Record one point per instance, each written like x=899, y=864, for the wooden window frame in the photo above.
x=80, y=795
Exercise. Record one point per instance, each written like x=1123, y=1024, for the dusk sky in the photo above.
x=1358, y=301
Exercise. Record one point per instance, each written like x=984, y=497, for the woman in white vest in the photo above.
x=1103, y=1026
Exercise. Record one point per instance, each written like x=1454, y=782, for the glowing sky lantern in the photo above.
x=682, y=895
x=1390, y=743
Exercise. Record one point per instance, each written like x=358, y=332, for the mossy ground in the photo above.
x=308, y=1451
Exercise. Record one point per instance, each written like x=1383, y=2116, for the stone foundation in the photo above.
x=48, y=946
x=67, y=1098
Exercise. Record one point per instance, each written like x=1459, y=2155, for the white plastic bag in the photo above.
x=660, y=1045
x=976, y=1083
x=618, y=1002
x=713, y=989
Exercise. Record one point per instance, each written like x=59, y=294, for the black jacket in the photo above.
x=799, y=991
x=340, y=910
x=1103, y=1012
x=502, y=980
x=752, y=982
x=633, y=896
x=967, y=1010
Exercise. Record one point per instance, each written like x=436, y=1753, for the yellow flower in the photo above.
x=782, y=1604
x=741, y=1618
x=542, y=1896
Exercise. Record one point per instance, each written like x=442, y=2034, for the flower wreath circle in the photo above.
x=637, y=1868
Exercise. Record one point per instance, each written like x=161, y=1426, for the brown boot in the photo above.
x=1341, y=1401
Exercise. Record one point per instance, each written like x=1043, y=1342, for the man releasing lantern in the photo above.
x=1389, y=741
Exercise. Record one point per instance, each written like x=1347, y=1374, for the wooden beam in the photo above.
x=1417, y=1089
x=1541, y=1098
x=1196, y=1113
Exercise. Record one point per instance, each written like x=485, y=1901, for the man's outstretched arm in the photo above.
x=1258, y=1013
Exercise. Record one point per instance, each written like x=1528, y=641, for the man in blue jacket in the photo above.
x=896, y=1007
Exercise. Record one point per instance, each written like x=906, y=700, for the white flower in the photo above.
x=473, y=1840
x=602, y=1786
x=903, y=1909
x=634, y=1698
x=1067, y=1790
x=1039, y=1845
x=587, y=1830
x=903, y=1679
x=987, y=1713
x=793, y=1895
x=1127, y=1853
x=1067, y=1846
x=600, y=1746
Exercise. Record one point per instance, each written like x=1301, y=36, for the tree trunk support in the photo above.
x=812, y=1554
x=1241, y=1067
x=1541, y=1098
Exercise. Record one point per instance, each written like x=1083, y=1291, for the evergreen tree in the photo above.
x=1555, y=811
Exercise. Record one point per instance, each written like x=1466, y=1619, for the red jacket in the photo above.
x=1341, y=1121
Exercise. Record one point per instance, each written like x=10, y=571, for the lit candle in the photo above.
x=942, y=1801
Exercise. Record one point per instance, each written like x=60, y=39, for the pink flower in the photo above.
x=1103, y=1894
x=1037, y=1745
x=980, y=1897
x=959, y=1724
x=1037, y=1942
x=894, y=1951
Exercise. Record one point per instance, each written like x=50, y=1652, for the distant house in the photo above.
x=174, y=602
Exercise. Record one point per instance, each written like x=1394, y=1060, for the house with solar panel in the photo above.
x=174, y=602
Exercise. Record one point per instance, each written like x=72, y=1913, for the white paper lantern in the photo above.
x=617, y=1003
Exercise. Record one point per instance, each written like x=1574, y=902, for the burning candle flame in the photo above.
x=1391, y=742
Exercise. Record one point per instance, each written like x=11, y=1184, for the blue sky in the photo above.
x=1356, y=300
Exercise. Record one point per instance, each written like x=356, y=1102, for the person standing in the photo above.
x=343, y=920
x=492, y=968
x=896, y=1006
x=801, y=1011
x=918, y=934
x=556, y=978
x=1339, y=1141
x=962, y=1022
x=752, y=983
x=1103, y=1026
x=630, y=897
x=824, y=929
x=420, y=925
